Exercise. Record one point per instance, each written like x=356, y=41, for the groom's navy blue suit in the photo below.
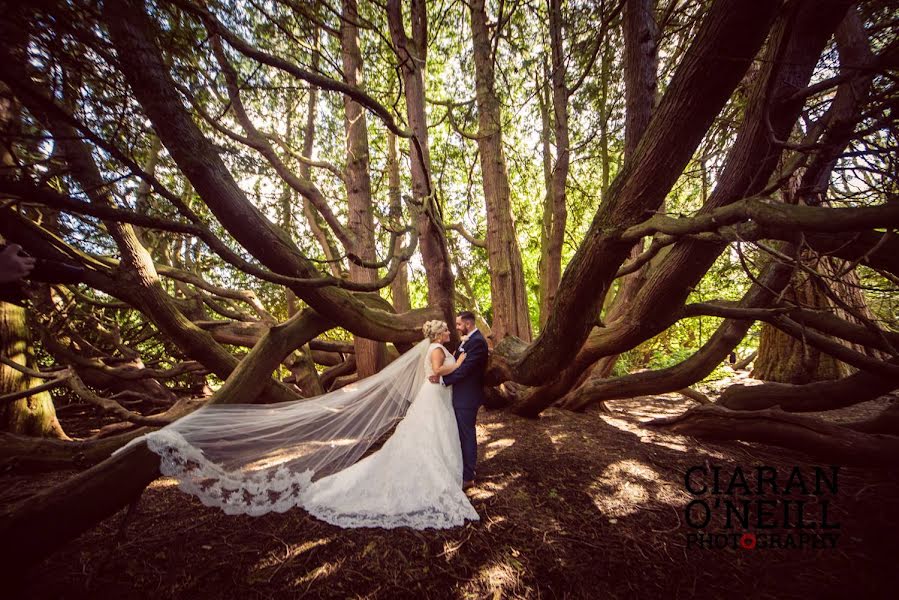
x=468, y=395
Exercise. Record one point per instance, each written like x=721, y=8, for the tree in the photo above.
x=507, y=291
x=172, y=171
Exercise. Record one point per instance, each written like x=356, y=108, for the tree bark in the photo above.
x=360, y=221
x=785, y=359
x=507, y=288
x=34, y=415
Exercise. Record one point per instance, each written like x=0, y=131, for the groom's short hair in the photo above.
x=467, y=315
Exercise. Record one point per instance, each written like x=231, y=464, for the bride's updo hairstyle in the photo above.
x=432, y=329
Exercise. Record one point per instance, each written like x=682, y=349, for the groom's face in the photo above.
x=461, y=326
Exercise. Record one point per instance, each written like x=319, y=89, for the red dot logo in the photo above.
x=747, y=541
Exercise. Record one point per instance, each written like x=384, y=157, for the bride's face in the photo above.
x=444, y=336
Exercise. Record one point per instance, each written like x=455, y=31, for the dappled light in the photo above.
x=674, y=442
x=284, y=557
x=500, y=578
x=626, y=486
x=602, y=510
x=497, y=446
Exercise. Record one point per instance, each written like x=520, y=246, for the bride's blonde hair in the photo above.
x=432, y=329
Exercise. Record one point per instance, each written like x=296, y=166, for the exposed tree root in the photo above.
x=36, y=526
x=811, y=397
x=824, y=441
x=27, y=454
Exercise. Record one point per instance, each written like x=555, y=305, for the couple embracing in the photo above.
x=253, y=459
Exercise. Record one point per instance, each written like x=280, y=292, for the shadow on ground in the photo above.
x=572, y=505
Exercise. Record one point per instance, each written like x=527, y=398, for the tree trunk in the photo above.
x=545, y=298
x=313, y=219
x=143, y=202
x=783, y=358
x=412, y=56
x=507, y=288
x=34, y=415
x=555, y=215
x=360, y=222
x=604, y=118
x=399, y=287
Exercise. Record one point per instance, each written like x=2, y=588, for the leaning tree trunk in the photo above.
x=800, y=34
x=507, y=288
x=34, y=415
x=369, y=353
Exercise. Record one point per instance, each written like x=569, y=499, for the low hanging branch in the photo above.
x=865, y=335
x=811, y=397
x=42, y=105
x=29, y=192
x=68, y=378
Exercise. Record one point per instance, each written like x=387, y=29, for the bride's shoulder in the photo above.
x=436, y=345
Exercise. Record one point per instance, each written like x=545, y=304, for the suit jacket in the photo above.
x=468, y=379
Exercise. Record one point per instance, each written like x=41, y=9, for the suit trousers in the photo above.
x=465, y=419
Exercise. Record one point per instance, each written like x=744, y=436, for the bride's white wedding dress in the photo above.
x=414, y=480
x=258, y=458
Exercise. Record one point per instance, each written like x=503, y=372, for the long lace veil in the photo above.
x=256, y=458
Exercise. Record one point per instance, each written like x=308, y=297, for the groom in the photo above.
x=468, y=390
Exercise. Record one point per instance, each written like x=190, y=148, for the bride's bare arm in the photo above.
x=437, y=363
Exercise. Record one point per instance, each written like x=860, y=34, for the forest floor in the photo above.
x=587, y=505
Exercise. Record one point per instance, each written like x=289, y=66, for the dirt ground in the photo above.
x=572, y=506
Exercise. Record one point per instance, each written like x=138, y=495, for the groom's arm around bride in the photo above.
x=472, y=368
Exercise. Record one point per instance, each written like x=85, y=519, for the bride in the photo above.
x=257, y=458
